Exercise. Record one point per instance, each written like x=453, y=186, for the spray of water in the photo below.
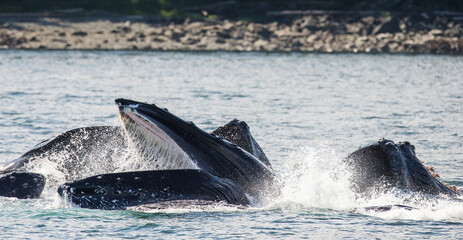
x=86, y=153
x=92, y=151
x=317, y=177
x=313, y=177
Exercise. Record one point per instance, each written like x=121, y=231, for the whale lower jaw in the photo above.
x=157, y=150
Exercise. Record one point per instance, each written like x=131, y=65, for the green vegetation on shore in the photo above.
x=229, y=9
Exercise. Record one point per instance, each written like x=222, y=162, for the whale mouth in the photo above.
x=154, y=142
x=167, y=142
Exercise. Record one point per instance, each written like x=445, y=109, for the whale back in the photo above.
x=77, y=153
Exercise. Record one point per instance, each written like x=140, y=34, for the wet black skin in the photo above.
x=71, y=150
x=227, y=171
x=384, y=164
x=237, y=132
x=210, y=153
x=122, y=190
x=21, y=185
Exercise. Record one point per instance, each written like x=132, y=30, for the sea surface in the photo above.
x=307, y=111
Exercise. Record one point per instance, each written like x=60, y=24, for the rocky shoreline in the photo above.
x=309, y=33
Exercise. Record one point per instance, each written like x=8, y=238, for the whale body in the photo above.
x=209, y=167
x=157, y=158
x=80, y=153
x=382, y=165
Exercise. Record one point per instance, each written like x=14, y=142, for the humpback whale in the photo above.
x=178, y=162
x=75, y=151
x=76, y=154
x=122, y=190
x=200, y=165
x=151, y=127
x=85, y=152
x=384, y=164
x=21, y=185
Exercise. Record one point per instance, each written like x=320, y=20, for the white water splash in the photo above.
x=187, y=206
x=435, y=208
x=82, y=157
x=54, y=176
x=316, y=177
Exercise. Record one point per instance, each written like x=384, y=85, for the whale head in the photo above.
x=379, y=166
x=168, y=142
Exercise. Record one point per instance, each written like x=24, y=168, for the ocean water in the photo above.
x=307, y=111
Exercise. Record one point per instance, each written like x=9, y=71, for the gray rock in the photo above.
x=80, y=33
x=391, y=26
